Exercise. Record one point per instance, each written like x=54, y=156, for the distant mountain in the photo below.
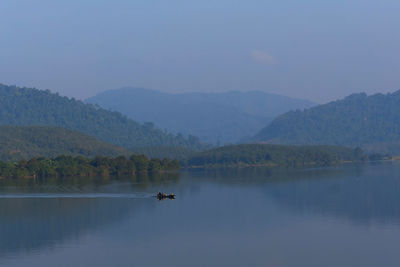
x=26, y=142
x=27, y=106
x=371, y=122
x=214, y=117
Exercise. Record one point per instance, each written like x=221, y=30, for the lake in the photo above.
x=347, y=215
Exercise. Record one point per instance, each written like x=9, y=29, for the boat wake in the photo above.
x=76, y=196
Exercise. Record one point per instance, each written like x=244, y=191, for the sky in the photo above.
x=311, y=49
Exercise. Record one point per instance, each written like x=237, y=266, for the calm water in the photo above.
x=341, y=216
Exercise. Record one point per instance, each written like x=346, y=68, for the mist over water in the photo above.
x=339, y=216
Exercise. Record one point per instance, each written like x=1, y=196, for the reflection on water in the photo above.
x=362, y=193
x=236, y=217
x=44, y=212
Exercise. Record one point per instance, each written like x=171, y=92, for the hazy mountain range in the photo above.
x=216, y=118
x=371, y=122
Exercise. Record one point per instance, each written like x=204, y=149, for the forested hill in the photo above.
x=221, y=118
x=276, y=155
x=26, y=142
x=371, y=122
x=26, y=106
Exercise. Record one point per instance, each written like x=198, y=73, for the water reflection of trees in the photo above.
x=360, y=193
x=141, y=180
x=263, y=175
x=357, y=193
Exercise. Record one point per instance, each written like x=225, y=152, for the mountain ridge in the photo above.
x=224, y=117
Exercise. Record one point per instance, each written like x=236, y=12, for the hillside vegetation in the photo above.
x=68, y=166
x=275, y=155
x=26, y=142
x=371, y=122
x=217, y=118
x=27, y=106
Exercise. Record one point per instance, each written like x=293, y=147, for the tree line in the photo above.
x=68, y=166
x=278, y=155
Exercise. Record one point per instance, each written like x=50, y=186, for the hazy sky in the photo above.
x=315, y=49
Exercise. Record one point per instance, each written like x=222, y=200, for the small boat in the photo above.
x=161, y=196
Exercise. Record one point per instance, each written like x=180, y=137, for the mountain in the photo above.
x=214, y=117
x=26, y=142
x=27, y=106
x=371, y=122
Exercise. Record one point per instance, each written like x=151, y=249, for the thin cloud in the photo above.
x=262, y=57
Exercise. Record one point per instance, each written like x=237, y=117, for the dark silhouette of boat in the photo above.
x=161, y=196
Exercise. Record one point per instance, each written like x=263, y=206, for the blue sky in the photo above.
x=319, y=50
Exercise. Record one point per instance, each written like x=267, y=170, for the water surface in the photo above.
x=340, y=216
